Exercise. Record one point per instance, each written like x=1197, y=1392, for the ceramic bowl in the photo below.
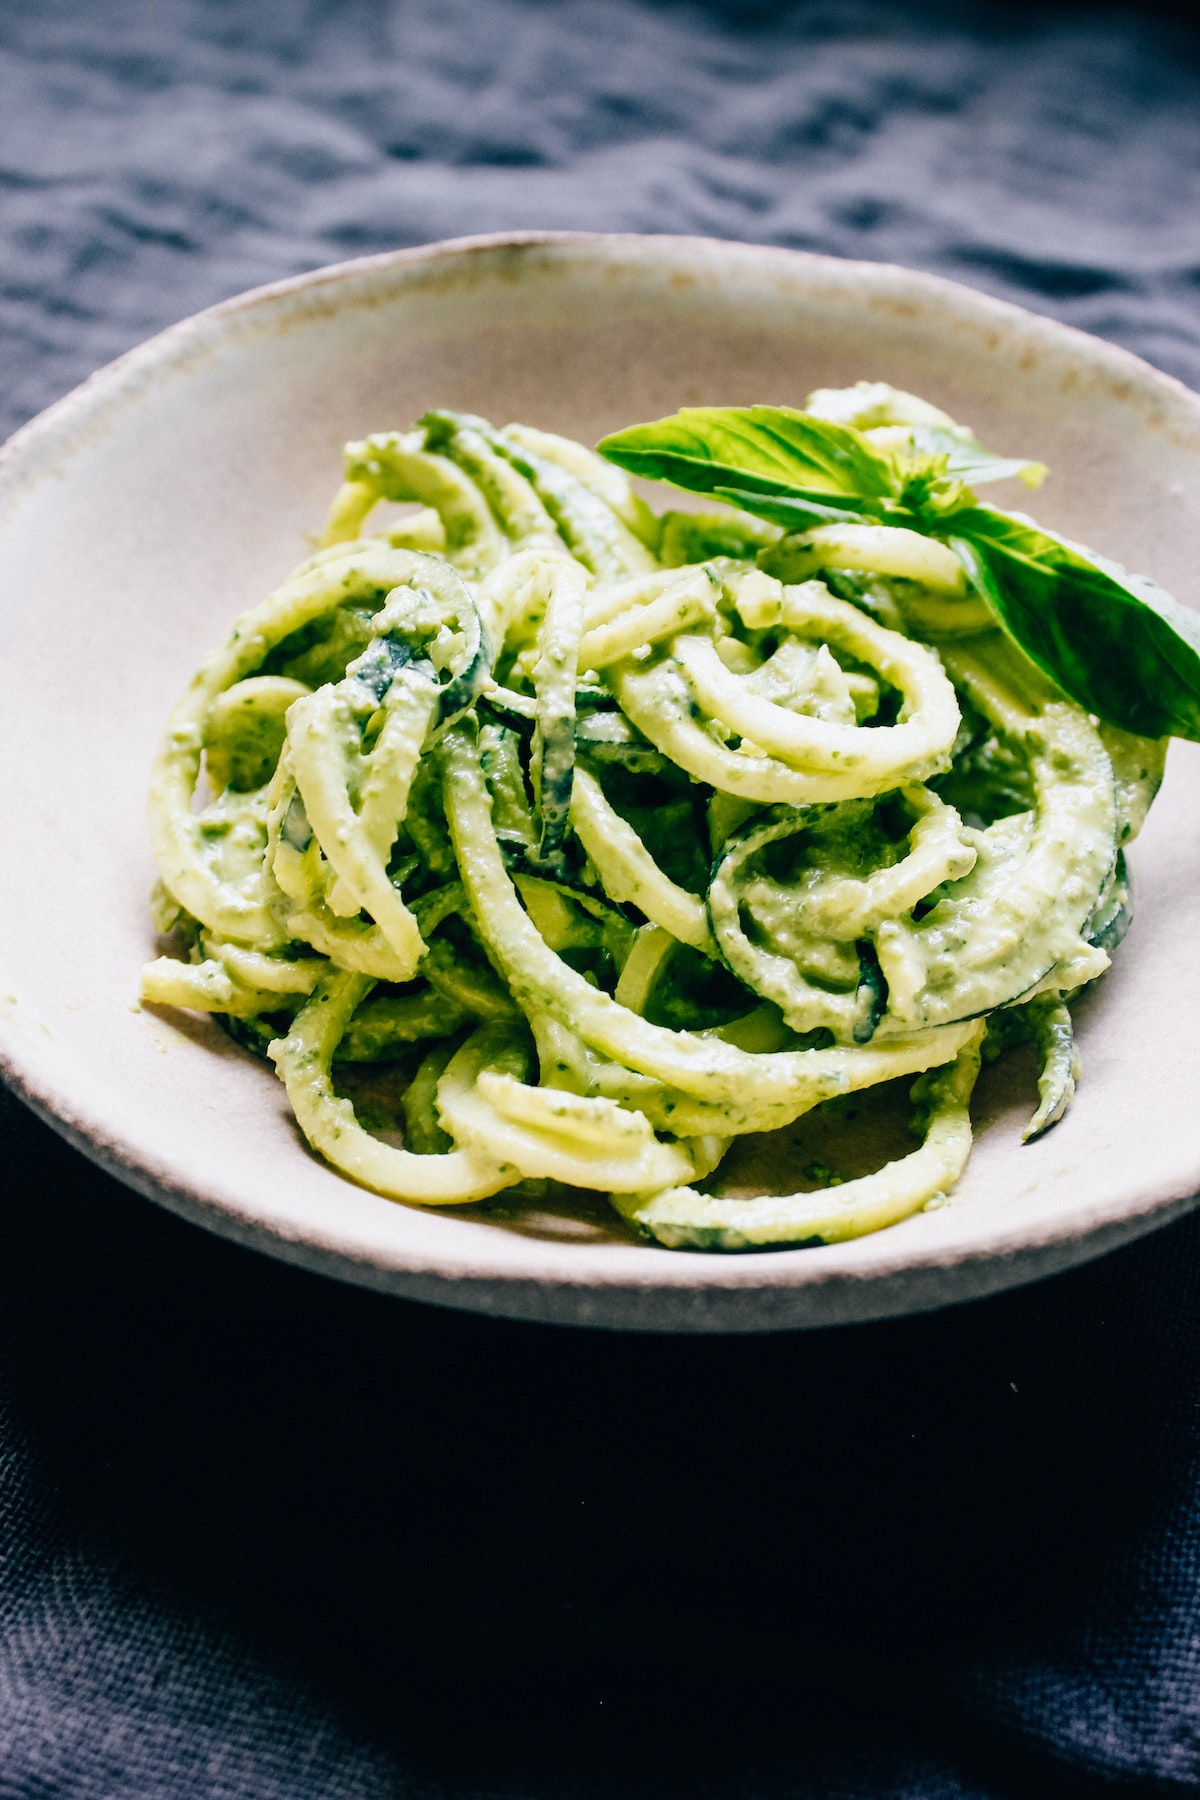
x=175, y=488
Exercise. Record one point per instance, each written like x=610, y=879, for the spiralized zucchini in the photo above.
x=619, y=848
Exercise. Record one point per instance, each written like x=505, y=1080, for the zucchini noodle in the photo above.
x=616, y=848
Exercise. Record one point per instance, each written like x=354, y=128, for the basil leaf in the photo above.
x=705, y=447
x=1118, y=644
x=970, y=462
x=793, y=513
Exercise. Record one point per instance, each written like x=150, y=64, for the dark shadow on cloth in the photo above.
x=425, y=1512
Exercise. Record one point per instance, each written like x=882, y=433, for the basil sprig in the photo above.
x=1117, y=644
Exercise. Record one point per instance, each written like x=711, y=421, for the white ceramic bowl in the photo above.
x=173, y=489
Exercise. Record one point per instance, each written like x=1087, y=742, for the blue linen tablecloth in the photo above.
x=263, y=1535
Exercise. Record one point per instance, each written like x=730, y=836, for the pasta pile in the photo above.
x=628, y=835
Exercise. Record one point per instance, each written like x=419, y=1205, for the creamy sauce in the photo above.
x=622, y=859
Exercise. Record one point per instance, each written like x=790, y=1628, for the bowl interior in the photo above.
x=140, y=515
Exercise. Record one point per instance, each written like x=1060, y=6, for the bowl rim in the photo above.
x=701, y=1299
x=1123, y=364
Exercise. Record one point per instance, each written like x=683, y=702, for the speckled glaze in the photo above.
x=174, y=488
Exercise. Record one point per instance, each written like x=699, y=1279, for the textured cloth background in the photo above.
x=261, y=1535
